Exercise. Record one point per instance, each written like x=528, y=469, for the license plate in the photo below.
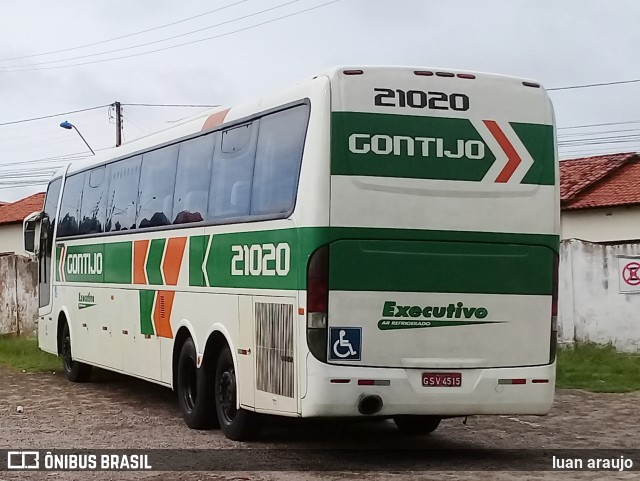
x=442, y=379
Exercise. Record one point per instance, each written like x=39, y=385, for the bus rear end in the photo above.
x=439, y=279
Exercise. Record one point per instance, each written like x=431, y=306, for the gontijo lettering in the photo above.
x=87, y=263
x=415, y=146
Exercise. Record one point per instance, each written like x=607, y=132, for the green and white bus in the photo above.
x=375, y=241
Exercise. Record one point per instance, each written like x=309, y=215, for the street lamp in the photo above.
x=69, y=126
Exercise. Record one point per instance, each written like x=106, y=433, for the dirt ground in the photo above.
x=114, y=411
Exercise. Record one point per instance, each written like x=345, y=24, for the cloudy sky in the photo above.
x=59, y=57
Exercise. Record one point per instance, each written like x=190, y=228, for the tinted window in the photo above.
x=232, y=173
x=46, y=242
x=123, y=194
x=192, y=179
x=50, y=207
x=157, y=179
x=70, y=207
x=278, y=158
x=94, y=201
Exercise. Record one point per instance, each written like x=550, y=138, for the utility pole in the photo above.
x=118, y=110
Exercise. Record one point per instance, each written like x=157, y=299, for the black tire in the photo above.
x=195, y=390
x=236, y=424
x=417, y=425
x=74, y=370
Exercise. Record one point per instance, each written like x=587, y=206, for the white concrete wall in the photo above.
x=18, y=295
x=591, y=307
x=11, y=239
x=601, y=225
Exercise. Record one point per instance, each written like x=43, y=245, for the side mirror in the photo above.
x=29, y=227
x=44, y=227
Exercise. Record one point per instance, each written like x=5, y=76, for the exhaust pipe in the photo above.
x=369, y=404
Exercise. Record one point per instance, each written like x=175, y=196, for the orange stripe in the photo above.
x=215, y=119
x=139, y=255
x=512, y=155
x=162, y=313
x=173, y=260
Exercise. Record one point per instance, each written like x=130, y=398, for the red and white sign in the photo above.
x=629, y=274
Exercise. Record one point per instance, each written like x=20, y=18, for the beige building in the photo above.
x=600, y=198
x=11, y=217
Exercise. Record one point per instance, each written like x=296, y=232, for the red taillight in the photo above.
x=352, y=72
x=553, y=341
x=466, y=75
x=318, y=302
x=423, y=73
x=554, y=287
x=318, y=281
x=512, y=381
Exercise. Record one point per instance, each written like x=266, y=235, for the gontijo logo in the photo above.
x=415, y=146
x=84, y=263
x=412, y=317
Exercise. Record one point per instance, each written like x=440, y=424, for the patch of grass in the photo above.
x=23, y=353
x=598, y=368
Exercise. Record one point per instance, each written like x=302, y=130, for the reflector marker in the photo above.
x=374, y=382
x=512, y=381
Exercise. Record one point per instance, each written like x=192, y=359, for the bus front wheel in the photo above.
x=195, y=390
x=236, y=423
x=74, y=370
x=417, y=425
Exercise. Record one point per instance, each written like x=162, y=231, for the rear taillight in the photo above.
x=318, y=302
x=554, y=310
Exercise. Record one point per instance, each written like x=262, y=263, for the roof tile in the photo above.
x=16, y=212
x=576, y=175
x=620, y=188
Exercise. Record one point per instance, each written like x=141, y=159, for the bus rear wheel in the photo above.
x=236, y=423
x=74, y=370
x=417, y=425
x=195, y=390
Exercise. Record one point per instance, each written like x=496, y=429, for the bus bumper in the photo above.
x=482, y=391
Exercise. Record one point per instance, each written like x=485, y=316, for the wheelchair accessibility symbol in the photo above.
x=345, y=343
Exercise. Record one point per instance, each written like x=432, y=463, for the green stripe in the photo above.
x=538, y=139
x=118, y=258
x=197, y=248
x=432, y=266
x=491, y=262
x=146, y=306
x=154, y=259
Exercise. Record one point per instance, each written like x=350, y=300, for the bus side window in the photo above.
x=232, y=173
x=70, y=207
x=278, y=159
x=94, y=202
x=192, y=179
x=157, y=181
x=122, y=198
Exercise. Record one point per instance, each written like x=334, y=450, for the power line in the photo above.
x=52, y=115
x=153, y=42
x=123, y=36
x=181, y=44
x=604, y=84
x=586, y=134
x=103, y=106
x=599, y=125
x=207, y=106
